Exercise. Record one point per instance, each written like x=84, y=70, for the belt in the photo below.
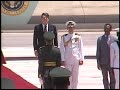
x=50, y=64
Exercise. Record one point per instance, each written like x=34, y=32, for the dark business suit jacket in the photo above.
x=38, y=40
x=103, y=60
x=103, y=50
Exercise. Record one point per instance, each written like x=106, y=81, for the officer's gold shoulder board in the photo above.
x=77, y=34
x=64, y=35
x=41, y=47
x=55, y=46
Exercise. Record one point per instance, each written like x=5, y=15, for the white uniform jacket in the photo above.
x=114, y=55
x=71, y=47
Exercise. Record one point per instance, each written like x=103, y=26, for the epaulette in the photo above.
x=64, y=35
x=55, y=46
x=41, y=47
x=77, y=34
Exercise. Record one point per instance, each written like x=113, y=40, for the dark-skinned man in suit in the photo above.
x=103, y=57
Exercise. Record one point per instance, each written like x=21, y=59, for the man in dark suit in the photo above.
x=103, y=57
x=49, y=57
x=39, y=30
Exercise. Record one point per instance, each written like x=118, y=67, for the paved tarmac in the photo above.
x=89, y=76
x=20, y=44
x=82, y=27
x=18, y=51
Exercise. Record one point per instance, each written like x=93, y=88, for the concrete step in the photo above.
x=60, y=27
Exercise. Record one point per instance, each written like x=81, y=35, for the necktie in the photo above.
x=107, y=39
x=45, y=28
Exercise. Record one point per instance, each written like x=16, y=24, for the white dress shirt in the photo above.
x=108, y=39
x=44, y=27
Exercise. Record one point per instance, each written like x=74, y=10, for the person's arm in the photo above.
x=112, y=55
x=62, y=50
x=56, y=37
x=40, y=64
x=81, y=49
x=40, y=67
x=98, y=54
x=58, y=58
x=35, y=41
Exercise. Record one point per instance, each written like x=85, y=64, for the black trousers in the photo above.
x=47, y=83
x=105, y=71
x=61, y=82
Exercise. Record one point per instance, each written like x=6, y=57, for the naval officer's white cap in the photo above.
x=70, y=23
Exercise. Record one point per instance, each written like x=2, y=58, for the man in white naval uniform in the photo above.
x=114, y=60
x=71, y=48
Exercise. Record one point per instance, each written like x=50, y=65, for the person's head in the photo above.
x=48, y=37
x=107, y=28
x=45, y=18
x=70, y=26
x=60, y=76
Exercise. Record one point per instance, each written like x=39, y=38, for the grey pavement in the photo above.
x=20, y=44
x=89, y=76
x=18, y=51
x=82, y=27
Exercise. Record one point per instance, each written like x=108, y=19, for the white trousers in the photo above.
x=41, y=81
x=74, y=68
x=116, y=73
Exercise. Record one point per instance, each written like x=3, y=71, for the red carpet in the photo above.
x=19, y=82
